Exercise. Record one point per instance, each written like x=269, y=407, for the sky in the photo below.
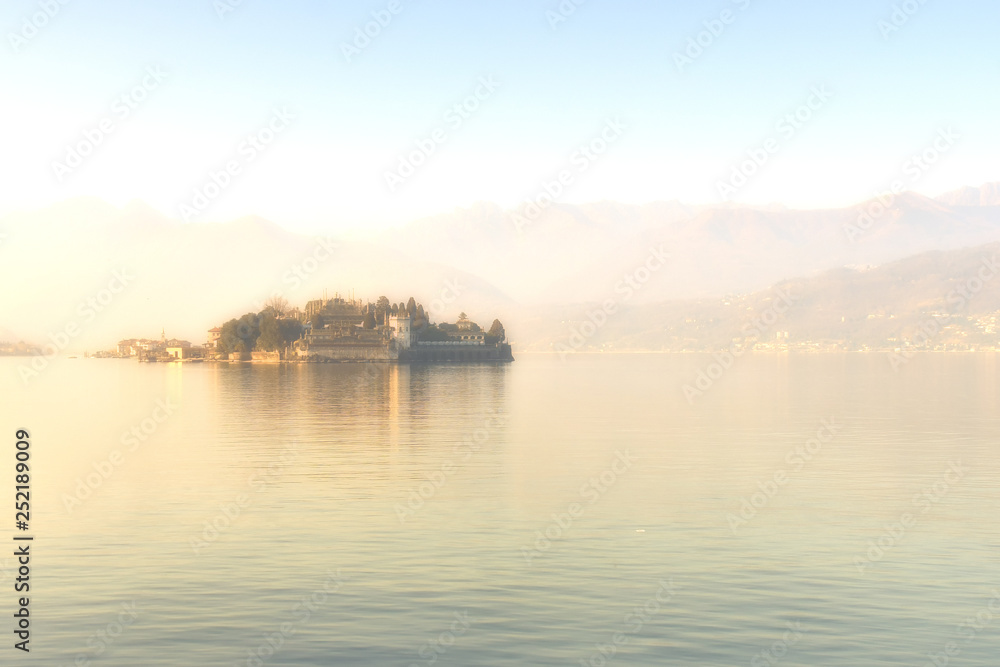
x=209, y=110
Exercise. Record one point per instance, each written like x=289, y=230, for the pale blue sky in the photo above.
x=686, y=130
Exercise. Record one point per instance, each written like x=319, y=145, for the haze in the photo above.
x=224, y=69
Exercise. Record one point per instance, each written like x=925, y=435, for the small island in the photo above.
x=333, y=330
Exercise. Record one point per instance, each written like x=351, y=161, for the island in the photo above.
x=330, y=330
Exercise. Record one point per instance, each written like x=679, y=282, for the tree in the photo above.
x=264, y=331
x=496, y=332
x=431, y=334
x=228, y=338
x=369, y=322
x=411, y=307
x=318, y=322
x=291, y=330
x=248, y=329
x=381, y=309
x=275, y=333
x=270, y=333
x=278, y=304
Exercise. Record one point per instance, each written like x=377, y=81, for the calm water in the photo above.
x=376, y=515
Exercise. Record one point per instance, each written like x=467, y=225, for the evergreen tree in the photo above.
x=270, y=338
x=381, y=309
x=228, y=338
x=496, y=332
x=248, y=329
x=291, y=331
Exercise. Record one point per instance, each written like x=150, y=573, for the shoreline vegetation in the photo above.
x=331, y=330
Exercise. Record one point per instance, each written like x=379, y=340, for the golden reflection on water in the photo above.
x=324, y=456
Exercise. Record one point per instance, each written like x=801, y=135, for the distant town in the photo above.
x=330, y=330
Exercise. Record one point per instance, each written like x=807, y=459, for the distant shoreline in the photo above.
x=539, y=353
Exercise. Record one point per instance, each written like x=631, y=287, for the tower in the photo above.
x=401, y=325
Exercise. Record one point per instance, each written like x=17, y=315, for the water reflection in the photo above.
x=267, y=477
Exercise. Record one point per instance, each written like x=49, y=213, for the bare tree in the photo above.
x=278, y=304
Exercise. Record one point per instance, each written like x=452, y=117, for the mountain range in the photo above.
x=895, y=256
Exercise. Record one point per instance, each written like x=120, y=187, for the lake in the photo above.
x=798, y=510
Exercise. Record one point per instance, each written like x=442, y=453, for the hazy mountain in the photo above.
x=576, y=253
x=187, y=278
x=987, y=195
x=876, y=308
